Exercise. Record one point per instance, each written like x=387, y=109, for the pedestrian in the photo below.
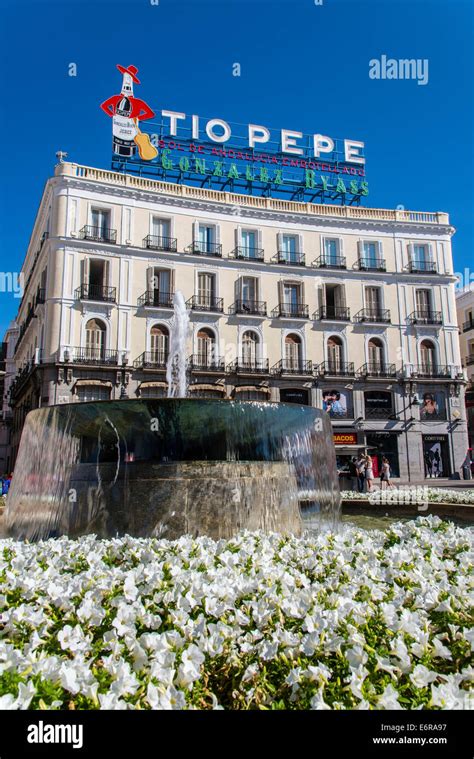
x=385, y=474
x=354, y=474
x=369, y=474
x=6, y=481
x=360, y=464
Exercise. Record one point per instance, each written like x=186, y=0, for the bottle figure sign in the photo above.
x=126, y=111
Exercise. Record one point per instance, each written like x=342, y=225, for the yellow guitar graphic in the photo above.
x=146, y=150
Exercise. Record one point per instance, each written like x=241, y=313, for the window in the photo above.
x=291, y=294
x=252, y=394
x=151, y=391
x=206, y=238
x=206, y=347
x=420, y=253
x=160, y=287
x=101, y=222
x=373, y=300
x=249, y=243
x=370, y=254
x=331, y=252
x=375, y=354
x=423, y=302
x=334, y=301
x=428, y=357
x=292, y=352
x=335, y=353
x=95, y=339
x=159, y=344
x=249, y=348
x=93, y=393
x=289, y=248
x=249, y=287
x=378, y=404
x=161, y=228
x=206, y=289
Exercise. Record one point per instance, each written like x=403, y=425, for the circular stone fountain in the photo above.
x=168, y=467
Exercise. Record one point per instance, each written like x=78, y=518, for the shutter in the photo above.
x=300, y=244
x=106, y=274
x=171, y=281
x=196, y=231
x=379, y=250
x=280, y=292
x=340, y=252
x=410, y=252
x=218, y=234
x=150, y=273
x=429, y=248
x=279, y=242
x=259, y=239
x=85, y=271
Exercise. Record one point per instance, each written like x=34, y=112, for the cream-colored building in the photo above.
x=348, y=308
x=465, y=309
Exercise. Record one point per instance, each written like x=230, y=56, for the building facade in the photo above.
x=8, y=367
x=346, y=308
x=465, y=310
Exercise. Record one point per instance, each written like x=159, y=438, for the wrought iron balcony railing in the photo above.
x=330, y=262
x=249, y=307
x=425, y=316
x=333, y=313
x=372, y=264
x=206, y=303
x=291, y=259
x=377, y=369
x=98, y=234
x=374, y=315
x=91, y=355
x=156, y=242
x=291, y=311
x=40, y=296
x=151, y=360
x=97, y=293
x=198, y=248
x=467, y=326
x=290, y=366
x=432, y=370
x=255, y=366
x=155, y=299
x=419, y=266
x=336, y=368
x=249, y=254
x=203, y=363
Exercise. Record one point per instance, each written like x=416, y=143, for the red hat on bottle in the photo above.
x=132, y=70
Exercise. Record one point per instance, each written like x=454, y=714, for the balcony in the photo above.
x=425, y=316
x=289, y=259
x=372, y=264
x=336, y=369
x=377, y=369
x=98, y=234
x=373, y=316
x=333, y=314
x=155, y=299
x=293, y=367
x=431, y=371
x=205, y=249
x=40, y=296
x=291, y=311
x=155, y=242
x=249, y=307
x=329, y=262
x=242, y=253
x=419, y=266
x=206, y=303
x=151, y=360
x=98, y=293
x=255, y=366
x=91, y=356
x=203, y=363
x=467, y=326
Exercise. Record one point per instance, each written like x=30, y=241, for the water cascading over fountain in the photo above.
x=172, y=466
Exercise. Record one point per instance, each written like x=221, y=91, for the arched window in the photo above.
x=335, y=354
x=95, y=339
x=249, y=348
x=375, y=354
x=292, y=352
x=206, y=347
x=428, y=357
x=159, y=344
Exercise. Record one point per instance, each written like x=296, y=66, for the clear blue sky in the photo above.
x=304, y=67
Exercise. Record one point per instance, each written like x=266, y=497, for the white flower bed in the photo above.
x=412, y=494
x=352, y=620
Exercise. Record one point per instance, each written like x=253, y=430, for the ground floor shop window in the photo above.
x=92, y=393
x=295, y=396
x=436, y=456
x=382, y=444
x=153, y=392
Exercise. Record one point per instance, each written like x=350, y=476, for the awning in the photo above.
x=152, y=384
x=94, y=382
x=217, y=388
x=253, y=388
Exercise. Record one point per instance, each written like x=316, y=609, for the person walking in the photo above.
x=369, y=474
x=354, y=474
x=360, y=465
x=385, y=474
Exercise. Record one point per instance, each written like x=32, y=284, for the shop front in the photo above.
x=347, y=447
x=295, y=395
x=380, y=444
x=436, y=456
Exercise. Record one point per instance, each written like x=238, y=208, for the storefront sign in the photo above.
x=345, y=438
x=249, y=159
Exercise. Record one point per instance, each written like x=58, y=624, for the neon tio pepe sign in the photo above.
x=248, y=158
